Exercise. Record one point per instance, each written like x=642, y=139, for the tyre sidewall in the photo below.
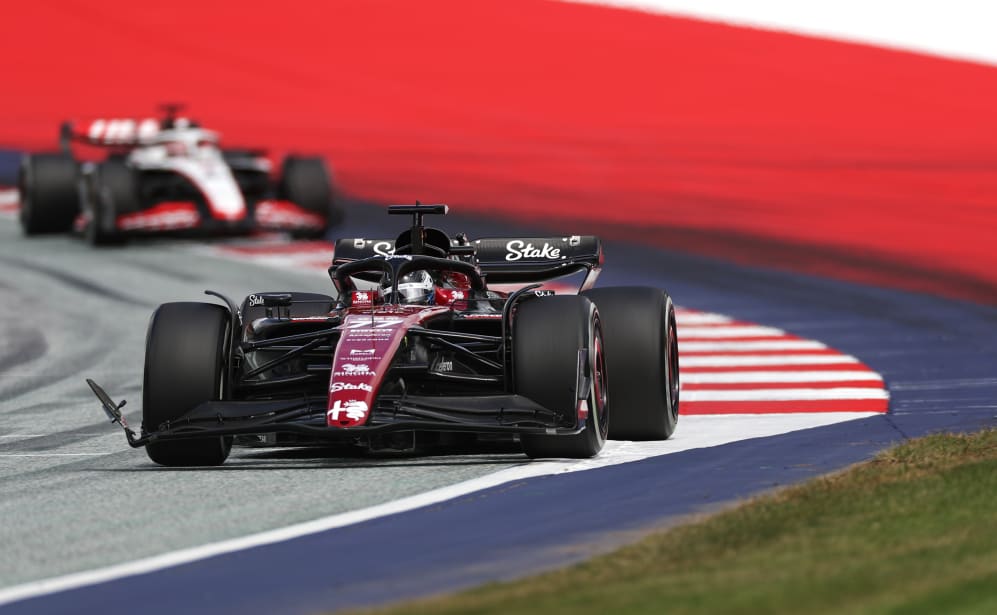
x=184, y=366
x=642, y=355
x=548, y=332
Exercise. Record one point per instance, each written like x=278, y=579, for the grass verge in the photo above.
x=912, y=531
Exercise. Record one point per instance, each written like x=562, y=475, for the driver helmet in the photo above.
x=414, y=288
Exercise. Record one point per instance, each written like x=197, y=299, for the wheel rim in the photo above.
x=599, y=388
x=673, y=367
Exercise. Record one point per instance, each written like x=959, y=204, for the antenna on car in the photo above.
x=418, y=211
x=171, y=112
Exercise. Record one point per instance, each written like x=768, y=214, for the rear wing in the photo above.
x=114, y=132
x=507, y=260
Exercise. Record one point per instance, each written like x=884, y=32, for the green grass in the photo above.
x=912, y=531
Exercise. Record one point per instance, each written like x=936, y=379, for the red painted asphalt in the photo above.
x=761, y=147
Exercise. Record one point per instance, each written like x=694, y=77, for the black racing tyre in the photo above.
x=111, y=191
x=184, y=366
x=548, y=333
x=307, y=183
x=48, y=192
x=642, y=354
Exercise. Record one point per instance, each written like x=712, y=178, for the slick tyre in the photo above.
x=111, y=191
x=184, y=366
x=548, y=333
x=48, y=193
x=307, y=183
x=642, y=354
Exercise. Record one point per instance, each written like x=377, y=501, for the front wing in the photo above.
x=510, y=414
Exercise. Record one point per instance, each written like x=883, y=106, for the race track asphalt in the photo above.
x=103, y=501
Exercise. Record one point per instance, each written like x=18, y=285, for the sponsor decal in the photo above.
x=375, y=322
x=544, y=292
x=369, y=334
x=354, y=409
x=122, y=130
x=357, y=369
x=384, y=248
x=350, y=386
x=361, y=298
x=255, y=300
x=358, y=243
x=444, y=366
x=458, y=294
x=369, y=352
x=518, y=249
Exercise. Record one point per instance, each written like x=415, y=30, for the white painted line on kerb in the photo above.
x=760, y=360
x=783, y=394
x=729, y=331
x=774, y=377
x=688, y=320
x=748, y=346
x=694, y=432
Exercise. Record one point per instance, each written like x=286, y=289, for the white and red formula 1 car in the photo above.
x=169, y=175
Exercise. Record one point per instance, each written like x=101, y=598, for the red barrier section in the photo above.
x=764, y=147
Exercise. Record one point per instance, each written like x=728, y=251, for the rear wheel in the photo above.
x=642, y=354
x=548, y=334
x=306, y=182
x=184, y=367
x=48, y=193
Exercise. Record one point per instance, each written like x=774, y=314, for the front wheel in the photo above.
x=184, y=367
x=555, y=341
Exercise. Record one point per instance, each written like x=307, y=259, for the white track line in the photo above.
x=53, y=454
x=696, y=432
x=690, y=320
x=760, y=360
x=801, y=394
x=775, y=376
x=729, y=331
x=747, y=346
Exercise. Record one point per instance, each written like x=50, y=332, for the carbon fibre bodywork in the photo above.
x=301, y=368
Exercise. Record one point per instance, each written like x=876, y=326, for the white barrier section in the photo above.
x=961, y=29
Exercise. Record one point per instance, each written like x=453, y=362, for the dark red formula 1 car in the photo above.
x=417, y=347
x=169, y=176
